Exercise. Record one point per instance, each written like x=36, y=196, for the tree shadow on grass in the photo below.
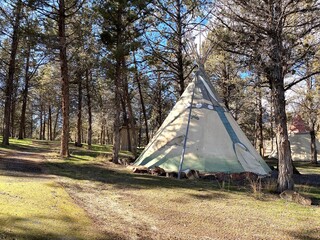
x=26, y=148
x=119, y=178
x=207, y=196
x=38, y=227
x=309, y=234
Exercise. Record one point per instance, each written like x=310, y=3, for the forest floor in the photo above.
x=86, y=197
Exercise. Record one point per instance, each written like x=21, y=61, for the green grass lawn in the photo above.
x=40, y=209
x=36, y=206
x=88, y=188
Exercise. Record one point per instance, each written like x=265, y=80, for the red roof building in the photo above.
x=298, y=125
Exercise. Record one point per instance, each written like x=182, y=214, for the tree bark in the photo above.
x=13, y=110
x=41, y=124
x=103, y=132
x=143, y=107
x=126, y=122
x=50, y=123
x=79, y=121
x=89, y=109
x=285, y=180
x=180, y=67
x=64, y=152
x=56, y=124
x=44, y=124
x=159, y=101
x=11, y=72
x=117, y=86
x=271, y=125
x=22, y=127
x=116, y=123
x=132, y=125
x=276, y=80
x=260, y=123
x=313, y=147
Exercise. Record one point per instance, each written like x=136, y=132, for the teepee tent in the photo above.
x=200, y=134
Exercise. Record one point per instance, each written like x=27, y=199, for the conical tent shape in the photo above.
x=214, y=141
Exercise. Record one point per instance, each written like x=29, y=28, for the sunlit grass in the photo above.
x=307, y=167
x=16, y=143
x=40, y=209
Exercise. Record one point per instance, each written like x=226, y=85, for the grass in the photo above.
x=35, y=205
x=40, y=210
x=308, y=168
x=135, y=206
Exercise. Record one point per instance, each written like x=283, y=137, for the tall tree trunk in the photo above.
x=271, y=124
x=44, y=124
x=313, y=146
x=225, y=86
x=9, y=82
x=285, y=179
x=118, y=80
x=64, y=152
x=108, y=136
x=31, y=127
x=40, y=117
x=180, y=67
x=116, y=123
x=143, y=108
x=50, y=123
x=260, y=123
x=276, y=80
x=56, y=124
x=140, y=131
x=13, y=111
x=89, y=109
x=126, y=123
x=312, y=118
x=22, y=127
x=79, y=122
x=102, y=132
x=132, y=125
x=82, y=135
x=159, y=101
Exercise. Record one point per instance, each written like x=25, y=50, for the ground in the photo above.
x=87, y=197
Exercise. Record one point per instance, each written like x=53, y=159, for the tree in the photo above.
x=270, y=36
x=15, y=37
x=60, y=12
x=34, y=58
x=121, y=29
x=169, y=34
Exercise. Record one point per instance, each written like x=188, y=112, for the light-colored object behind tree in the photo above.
x=300, y=142
x=300, y=147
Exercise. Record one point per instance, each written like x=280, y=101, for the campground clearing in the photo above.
x=86, y=197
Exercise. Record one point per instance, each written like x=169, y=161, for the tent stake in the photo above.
x=187, y=130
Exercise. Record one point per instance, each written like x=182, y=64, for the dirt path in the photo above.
x=115, y=220
x=33, y=205
x=20, y=163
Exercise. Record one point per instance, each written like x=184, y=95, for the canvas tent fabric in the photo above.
x=300, y=141
x=300, y=144
x=214, y=141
